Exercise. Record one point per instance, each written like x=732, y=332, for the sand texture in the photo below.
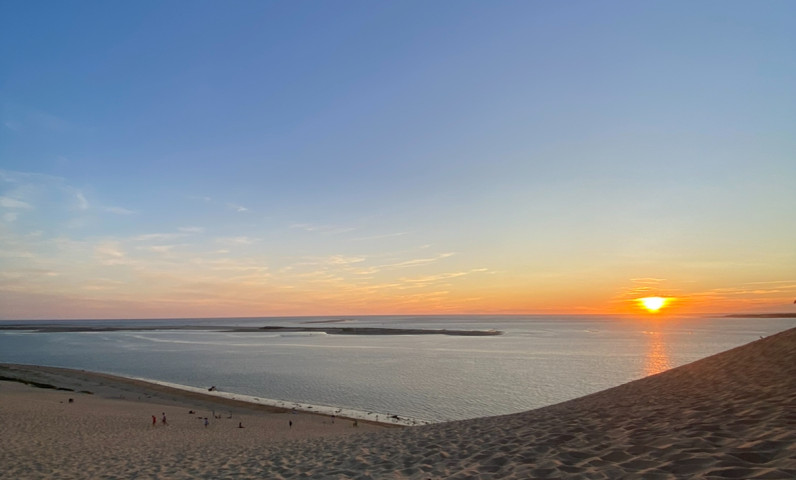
x=732, y=415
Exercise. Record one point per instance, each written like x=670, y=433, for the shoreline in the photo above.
x=118, y=386
x=385, y=419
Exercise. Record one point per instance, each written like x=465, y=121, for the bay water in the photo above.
x=537, y=361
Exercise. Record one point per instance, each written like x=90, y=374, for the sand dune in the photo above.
x=732, y=415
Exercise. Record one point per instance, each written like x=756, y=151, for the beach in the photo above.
x=731, y=415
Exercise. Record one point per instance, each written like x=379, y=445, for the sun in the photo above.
x=653, y=304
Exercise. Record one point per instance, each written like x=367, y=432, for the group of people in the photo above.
x=207, y=422
x=162, y=419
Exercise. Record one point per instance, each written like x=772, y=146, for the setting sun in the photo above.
x=653, y=304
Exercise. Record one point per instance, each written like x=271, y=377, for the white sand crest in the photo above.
x=297, y=406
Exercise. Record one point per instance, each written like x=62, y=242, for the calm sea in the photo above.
x=538, y=361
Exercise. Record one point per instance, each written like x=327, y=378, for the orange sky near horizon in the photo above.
x=195, y=298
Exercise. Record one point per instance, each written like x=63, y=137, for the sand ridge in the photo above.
x=732, y=415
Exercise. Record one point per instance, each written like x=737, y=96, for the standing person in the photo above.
x=206, y=422
x=164, y=418
x=154, y=420
x=290, y=423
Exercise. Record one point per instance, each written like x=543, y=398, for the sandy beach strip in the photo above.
x=732, y=415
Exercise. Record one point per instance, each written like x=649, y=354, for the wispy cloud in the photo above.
x=325, y=229
x=787, y=287
x=788, y=283
x=641, y=287
x=380, y=237
x=7, y=202
x=82, y=203
x=118, y=210
x=420, y=261
x=240, y=240
x=159, y=248
x=110, y=253
x=216, y=202
x=343, y=260
x=237, y=208
x=415, y=262
x=648, y=280
x=158, y=237
x=428, y=280
x=35, y=191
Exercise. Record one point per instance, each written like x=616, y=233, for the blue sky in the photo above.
x=162, y=159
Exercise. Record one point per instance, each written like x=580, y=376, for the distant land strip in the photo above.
x=379, y=331
x=327, y=330
x=761, y=315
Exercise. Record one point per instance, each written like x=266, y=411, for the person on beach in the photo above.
x=206, y=422
x=154, y=420
x=290, y=423
x=164, y=418
x=240, y=425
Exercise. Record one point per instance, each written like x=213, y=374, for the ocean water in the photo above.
x=538, y=361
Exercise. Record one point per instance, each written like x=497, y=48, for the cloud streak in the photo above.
x=7, y=202
x=323, y=229
x=49, y=196
x=237, y=208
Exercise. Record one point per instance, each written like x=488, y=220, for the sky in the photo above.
x=269, y=158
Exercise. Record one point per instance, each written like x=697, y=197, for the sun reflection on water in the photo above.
x=657, y=359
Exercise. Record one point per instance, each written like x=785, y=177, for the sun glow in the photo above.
x=653, y=304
